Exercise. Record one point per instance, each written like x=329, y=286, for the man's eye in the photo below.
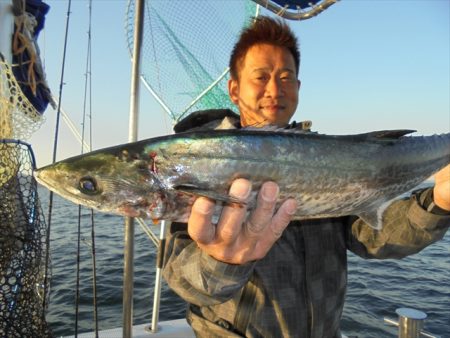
x=287, y=77
x=261, y=77
x=88, y=185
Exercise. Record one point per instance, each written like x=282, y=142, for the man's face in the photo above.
x=267, y=89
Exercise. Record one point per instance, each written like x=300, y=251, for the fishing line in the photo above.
x=88, y=85
x=77, y=287
x=55, y=146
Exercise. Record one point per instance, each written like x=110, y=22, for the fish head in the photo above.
x=107, y=183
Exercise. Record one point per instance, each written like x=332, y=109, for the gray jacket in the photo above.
x=298, y=288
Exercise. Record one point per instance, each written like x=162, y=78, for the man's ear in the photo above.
x=233, y=90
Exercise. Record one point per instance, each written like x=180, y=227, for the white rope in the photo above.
x=73, y=129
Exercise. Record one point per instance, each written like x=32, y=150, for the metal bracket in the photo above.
x=410, y=323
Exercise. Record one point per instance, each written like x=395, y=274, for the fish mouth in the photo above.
x=128, y=211
x=47, y=183
x=38, y=176
x=51, y=184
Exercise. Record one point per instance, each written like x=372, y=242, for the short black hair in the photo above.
x=264, y=30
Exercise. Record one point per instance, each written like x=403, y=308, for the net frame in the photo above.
x=207, y=87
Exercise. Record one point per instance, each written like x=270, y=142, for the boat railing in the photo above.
x=410, y=323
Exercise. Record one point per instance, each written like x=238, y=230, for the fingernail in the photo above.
x=240, y=189
x=270, y=191
x=291, y=207
x=203, y=206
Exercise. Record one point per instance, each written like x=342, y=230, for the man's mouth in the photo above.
x=273, y=107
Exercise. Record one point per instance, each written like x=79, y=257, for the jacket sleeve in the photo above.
x=199, y=278
x=407, y=229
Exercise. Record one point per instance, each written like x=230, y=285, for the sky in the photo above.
x=366, y=65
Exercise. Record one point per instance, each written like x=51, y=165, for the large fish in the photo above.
x=329, y=176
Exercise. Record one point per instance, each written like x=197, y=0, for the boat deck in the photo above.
x=177, y=328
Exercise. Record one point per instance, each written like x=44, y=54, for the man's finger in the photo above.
x=265, y=206
x=283, y=217
x=200, y=227
x=229, y=226
x=274, y=231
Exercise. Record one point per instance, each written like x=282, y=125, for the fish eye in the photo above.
x=88, y=185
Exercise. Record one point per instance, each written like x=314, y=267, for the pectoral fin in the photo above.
x=371, y=219
x=374, y=217
x=194, y=190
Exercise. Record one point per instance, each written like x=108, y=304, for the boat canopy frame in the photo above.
x=296, y=9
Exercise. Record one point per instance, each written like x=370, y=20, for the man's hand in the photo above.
x=441, y=192
x=235, y=239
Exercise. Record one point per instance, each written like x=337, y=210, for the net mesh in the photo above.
x=22, y=227
x=22, y=246
x=18, y=118
x=185, y=51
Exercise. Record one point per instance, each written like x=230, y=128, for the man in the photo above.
x=259, y=277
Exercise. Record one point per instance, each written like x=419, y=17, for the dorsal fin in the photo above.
x=294, y=127
x=380, y=135
x=389, y=134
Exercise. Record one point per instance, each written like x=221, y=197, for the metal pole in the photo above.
x=158, y=99
x=203, y=93
x=410, y=322
x=128, y=270
x=132, y=131
x=158, y=278
x=135, y=71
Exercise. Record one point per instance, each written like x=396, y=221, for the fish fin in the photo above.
x=297, y=128
x=303, y=128
x=371, y=219
x=374, y=217
x=194, y=190
x=388, y=134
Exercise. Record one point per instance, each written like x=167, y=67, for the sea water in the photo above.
x=376, y=288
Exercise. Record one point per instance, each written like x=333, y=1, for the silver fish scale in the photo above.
x=328, y=176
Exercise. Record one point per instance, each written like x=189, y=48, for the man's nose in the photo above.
x=274, y=87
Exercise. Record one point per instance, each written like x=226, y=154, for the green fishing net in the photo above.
x=186, y=49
